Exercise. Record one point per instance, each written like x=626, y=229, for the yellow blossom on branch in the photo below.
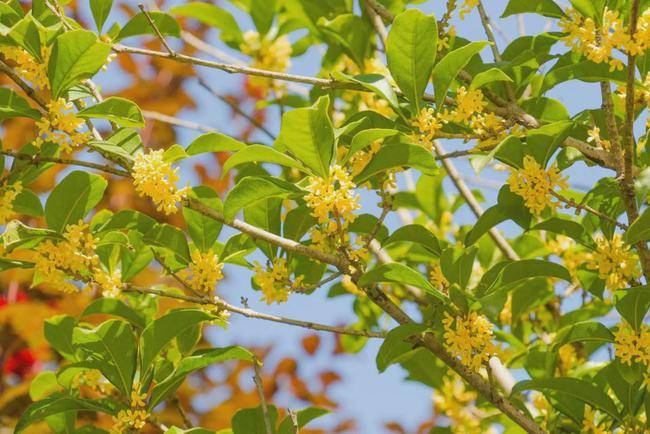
x=427, y=125
x=333, y=197
x=616, y=264
x=28, y=68
x=438, y=280
x=154, y=177
x=270, y=55
x=458, y=404
x=631, y=345
x=8, y=194
x=61, y=126
x=275, y=281
x=469, y=338
x=534, y=184
x=205, y=271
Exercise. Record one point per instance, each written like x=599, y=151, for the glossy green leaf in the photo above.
x=73, y=198
x=60, y=404
x=398, y=155
x=547, y=8
x=112, y=345
x=213, y=142
x=303, y=416
x=395, y=346
x=198, y=360
x=415, y=234
x=213, y=16
x=140, y=25
x=260, y=154
x=58, y=333
x=639, y=230
x=113, y=306
x=100, y=10
x=486, y=221
x=449, y=66
x=27, y=203
x=411, y=50
x=351, y=32
x=586, y=331
x=402, y=274
x=253, y=189
x=76, y=55
x=251, y=420
x=203, y=230
x=13, y=105
x=490, y=76
x=262, y=12
x=119, y=110
x=365, y=138
x=633, y=304
x=308, y=136
x=19, y=235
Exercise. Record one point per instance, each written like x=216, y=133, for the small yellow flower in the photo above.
x=468, y=104
x=438, y=280
x=28, y=68
x=469, y=338
x=631, y=345
x=427, y=125
x=459, y=405
x=333, y=197
x=8, y=194
x=534, y=184
x=155, y=178
x=467, y=7
x=110, y=284
x=590, y=425
x=61, y=126
x=270, y=55
x=205, y=271
x=128, y=420
x=275, y=281
x=616, y=264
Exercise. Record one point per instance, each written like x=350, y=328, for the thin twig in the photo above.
x=257, y=379
x=155, y=28
x=181, y=411
x=36, y=159
x=237, y=110
x=580, y=206
x=160, y=117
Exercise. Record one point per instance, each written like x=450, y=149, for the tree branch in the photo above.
x=36, y=159
x=257, y=379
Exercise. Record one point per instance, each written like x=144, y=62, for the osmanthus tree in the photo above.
x=562, y=299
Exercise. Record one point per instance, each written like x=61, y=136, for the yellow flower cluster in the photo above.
x=30, y=69
x=94, y=380
x=505, y=316
x=444, y=41
x=589, y=424
x=270, y=55
x=631, y=345
x=427, y=125
x=469, y=338
x=135, y=418
x=360, y=159
x=8, y=194
x=598, y=41
x=616, y=264
x=74, y=256
x=61, y=127
x=468, y=104
x=534, y=184
x=275, y=281
x=438, y=280
x=333, y=196
x=567, y=250
x=154, y=177
x=205, y=271
x=467, y=7
x=458, y=404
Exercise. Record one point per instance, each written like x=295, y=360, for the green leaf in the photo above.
x=639, y=230
x=160, y=332
x=100, y=10
x=365, y=138
x=26, y=34
x=251, y=420
x=13, y=105
x=487, y=77
x=140, y=25
x=547, y=8
x=44, y=384
x=119, y=110
x=486, y=221
x=411, y=50
x=308, y=135
x=213, y=142
x=260, y=154
x=586, y=331
x=516, y=271
x=457, y=265
x=398, y=155
x=203, y=230
x=376, y=83
x=351, y=32
x=58, y=333
x=19, y=235
x=113, y=306
x=571, y=387
x=171, y=239
x=262, y=12
x=449, y=66
x=633, y=304
x=10, y=264
x=569, y=228
x=76, y=55
x=402, y=274
x=590, y=8
x=416, y=234
x=27, y=203
x=304, y=416
x=72, y=199
x=112, y=345
x=395, y=348
x=198, y=360
x=60, y=404
x=253, y=189
x=213, y=16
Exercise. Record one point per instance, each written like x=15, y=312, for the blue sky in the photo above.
x=364, y=394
